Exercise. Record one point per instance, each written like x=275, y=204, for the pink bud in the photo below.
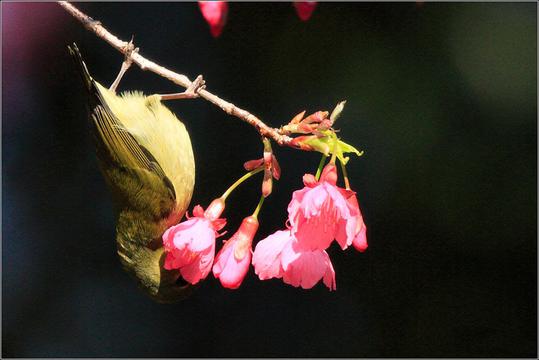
x=267, y=159
x=329, y=174
x=299, y=142
x=215, y=209
x=306, y=128
x=325, y=124
x=253, y=164
x=267, y=183
x=215, y=13
x=276, y=167
x=316, y=117
x=305, y=9
x=360, y=241
x=296, y=119
x=309, y=180
x=232, y=262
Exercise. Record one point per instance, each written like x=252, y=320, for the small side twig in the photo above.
x=122, y=46
x=126, y=64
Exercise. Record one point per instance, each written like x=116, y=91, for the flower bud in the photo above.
x=296, y=119
x=305, y=9
x=253, y=164
x=316, y=117
x=215, y=209
x=215, y=13
x=232, y=262
x=329, y=174
x=267, y=184
x=276, y=168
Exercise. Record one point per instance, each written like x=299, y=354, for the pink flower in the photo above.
x=321, y=212
x=279, y=256
x=267, y=255
x=232, y=262
x=190, y=245
x=215, y=13
x=305, y=268
x=305, y=9
x=360, y=239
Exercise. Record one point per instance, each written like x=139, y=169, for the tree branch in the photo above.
x=179, y=79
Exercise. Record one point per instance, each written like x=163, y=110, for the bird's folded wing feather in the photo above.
x=120, y=151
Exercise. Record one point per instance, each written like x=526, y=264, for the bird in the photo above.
x=144, y=152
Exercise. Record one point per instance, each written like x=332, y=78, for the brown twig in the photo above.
x=179, y=79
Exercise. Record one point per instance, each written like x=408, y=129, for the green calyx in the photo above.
x=329, y=143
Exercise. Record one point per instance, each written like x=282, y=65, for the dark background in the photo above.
x=442, y=98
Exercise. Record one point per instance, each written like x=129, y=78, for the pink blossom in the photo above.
x=321, y=212
x=190, y=245
x=215, y=13
x=267, y=255
x=360, y=239
x=305, y=9
x=279, y=256
x=232, y=262
x=305, y=268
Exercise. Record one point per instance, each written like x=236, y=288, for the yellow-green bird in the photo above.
x=145, y=155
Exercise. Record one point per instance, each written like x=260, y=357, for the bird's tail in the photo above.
x=82, y=69
x=96, y=97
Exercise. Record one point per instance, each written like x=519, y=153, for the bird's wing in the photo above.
x=114, y=140
x=115, y=144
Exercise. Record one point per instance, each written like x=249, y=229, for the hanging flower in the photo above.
x=232, y=262
x=190, y=245
x=304, y=9
x=360, y=239
x=279, y=256
x=215, y=13
x=320, y=212
x=267, y=255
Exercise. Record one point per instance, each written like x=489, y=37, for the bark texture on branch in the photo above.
x=126, y=49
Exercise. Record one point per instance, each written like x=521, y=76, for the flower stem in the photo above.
x=320, y=166
x=345, y=175
x=334, y=152
x=258, y=207
x=240, y=180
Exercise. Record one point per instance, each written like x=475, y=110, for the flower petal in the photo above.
x=308, y=268
x=290, y=253
x=329, y=276
x=315, y=233
x=200, y=267
x=295, y=204
x=253, y=164
x=267, y=255
x=360, y=241
x=229, y=270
